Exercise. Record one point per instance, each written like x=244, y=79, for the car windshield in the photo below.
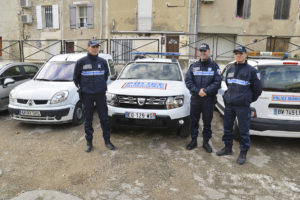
x=280, y=78
x=57, y=71
x=152, y=71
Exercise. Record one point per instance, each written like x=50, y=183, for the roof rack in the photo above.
x=143, y=54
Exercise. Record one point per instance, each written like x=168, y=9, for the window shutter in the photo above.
x=277, y=10
x=90, y=16
x=39, y=21
x=72, y=16
x=55, y=16
x=286, y=9
x=247, y=8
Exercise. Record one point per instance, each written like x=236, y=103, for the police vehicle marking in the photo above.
x=286, y=98
x=92, y=73
x=204, y=73
x=145, y=85
x=238, y=81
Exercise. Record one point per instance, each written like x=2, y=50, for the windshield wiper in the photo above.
x=128, y=78
x=63, y=80
x=42, y=79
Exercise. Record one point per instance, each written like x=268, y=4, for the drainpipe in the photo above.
x=106, y=19
x=197, y=11
x=101, y=18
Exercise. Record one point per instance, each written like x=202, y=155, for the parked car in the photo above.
x=276, y=113
x=11, y=75
x=51, y=96
x=150, y=92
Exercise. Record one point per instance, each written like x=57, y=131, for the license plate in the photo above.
x=286, y=112
x=30, y=113
x=140, y=115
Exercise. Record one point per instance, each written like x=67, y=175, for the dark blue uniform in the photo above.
x=202, y=75
x=244, y=87
x=90, y=75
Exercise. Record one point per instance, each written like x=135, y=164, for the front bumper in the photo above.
x=161, y=122
x=48, y=116
x=275, y=128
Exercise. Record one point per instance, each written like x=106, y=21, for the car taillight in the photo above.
x=253, y=113
x=290, y=63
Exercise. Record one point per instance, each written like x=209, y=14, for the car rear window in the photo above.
x=284, y=78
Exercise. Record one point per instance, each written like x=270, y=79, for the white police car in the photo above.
x=51, y=96
x=276, y=113
x=150, y=92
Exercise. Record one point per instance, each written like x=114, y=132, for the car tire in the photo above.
x=184, y=131
x=236, y=132
x=78, y=115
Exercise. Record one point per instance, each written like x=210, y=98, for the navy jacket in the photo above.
x=90, y=74
x=244, y=86
x=203, y=75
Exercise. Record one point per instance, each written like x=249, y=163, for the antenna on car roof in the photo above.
x=143, y=54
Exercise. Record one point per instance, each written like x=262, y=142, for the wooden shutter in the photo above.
x=90, y=16
x=39, y=20
x=72, y=16
x=55, y=16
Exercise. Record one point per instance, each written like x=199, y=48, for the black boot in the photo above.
x=89, y=146
x=192, y=144
x=207, y=146
x=225, y=151
x=242, y=157
x=109, y=145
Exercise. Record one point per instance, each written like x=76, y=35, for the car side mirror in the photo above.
x=8, y=81
x=114, y=77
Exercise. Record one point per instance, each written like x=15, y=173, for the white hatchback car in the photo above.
x=51, y=96
x=276, y=113
x=150, y=92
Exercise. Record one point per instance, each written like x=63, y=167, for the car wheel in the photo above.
x=236, y=131
x=185, y=130
x=78, y=115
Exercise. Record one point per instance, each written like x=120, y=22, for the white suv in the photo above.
x=51, y=96
x=276, y=113
x=150, y=92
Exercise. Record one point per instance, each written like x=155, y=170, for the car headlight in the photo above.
x=174, y=102
x=111, y=99
x=59, y=97
x=11, y=97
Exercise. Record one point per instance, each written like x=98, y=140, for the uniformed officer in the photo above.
x=90, y=76
x=244, y=87
x=203, y=80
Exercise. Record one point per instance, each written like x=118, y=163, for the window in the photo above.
x=82, y=15
x=30, y=71
x=282, y=9
x=243, y=9
x=47, y=17
x=144, y=15
x=276, y=44
x=14, y=73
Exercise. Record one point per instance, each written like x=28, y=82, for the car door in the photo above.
x=14, y=72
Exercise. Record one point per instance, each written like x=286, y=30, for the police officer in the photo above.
x=203, y=80
x=90, y=76
x=244, y=87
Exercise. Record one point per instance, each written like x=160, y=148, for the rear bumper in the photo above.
x=161, y=122
x=275, y=128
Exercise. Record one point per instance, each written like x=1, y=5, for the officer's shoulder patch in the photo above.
x=219, y=71
x=258, y=75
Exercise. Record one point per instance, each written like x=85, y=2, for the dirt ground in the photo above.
x=148, y=164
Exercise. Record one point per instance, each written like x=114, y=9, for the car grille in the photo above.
x=37, y=102
x=142, y=102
